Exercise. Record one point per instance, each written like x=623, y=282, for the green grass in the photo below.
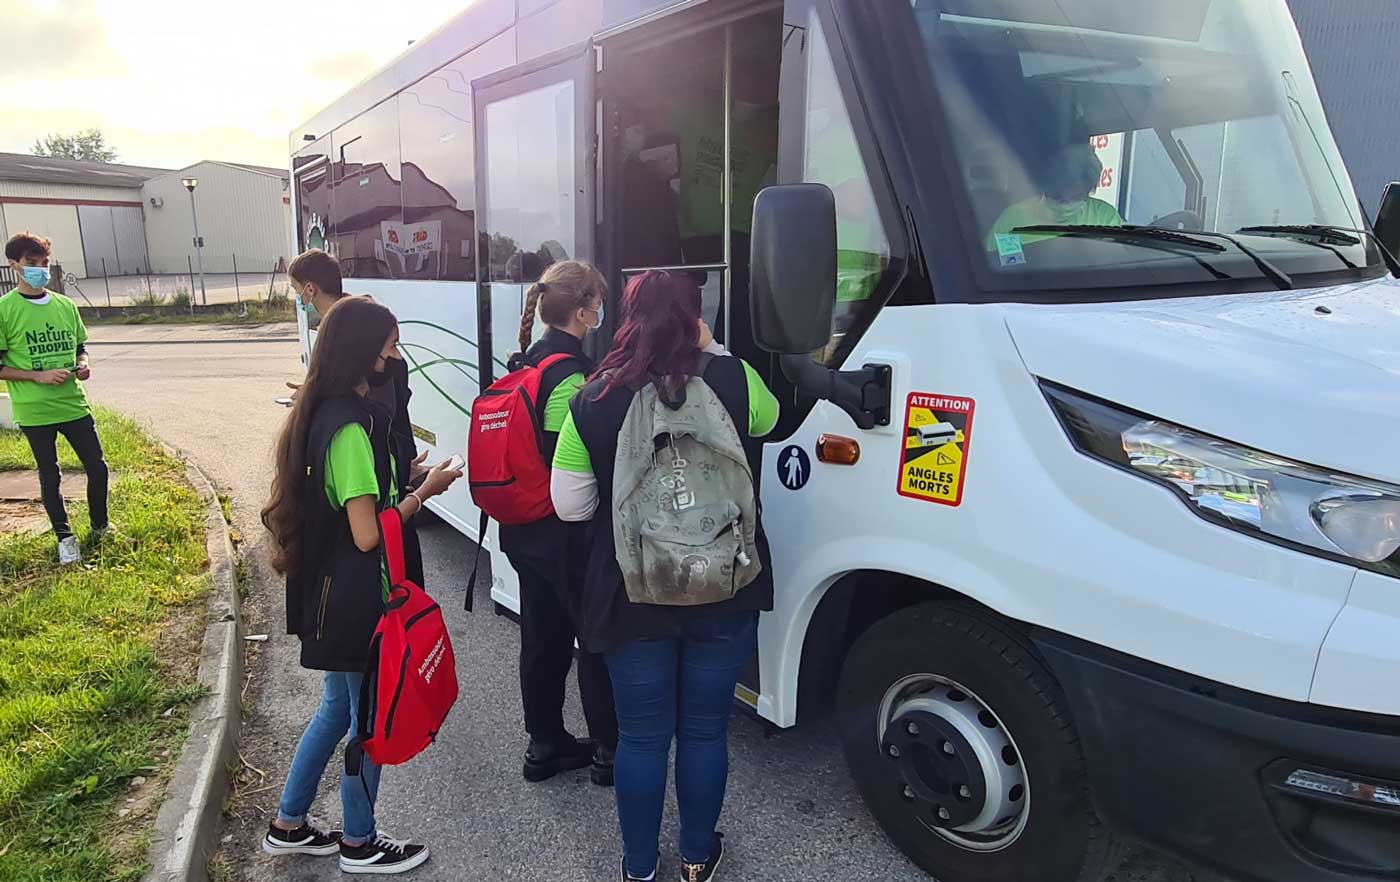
x=93, y=658
x=260, y=312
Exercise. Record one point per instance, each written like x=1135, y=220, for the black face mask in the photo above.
x=379, y=378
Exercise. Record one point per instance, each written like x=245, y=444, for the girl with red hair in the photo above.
x=673, y=667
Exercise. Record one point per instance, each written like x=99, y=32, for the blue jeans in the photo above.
x=337, y=715
x=680, y=686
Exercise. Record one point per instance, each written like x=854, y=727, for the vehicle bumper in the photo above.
x=1202, y=770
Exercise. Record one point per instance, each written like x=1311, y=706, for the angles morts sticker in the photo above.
x=937, y=437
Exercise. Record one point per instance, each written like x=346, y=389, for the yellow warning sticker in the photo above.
x=937, y=437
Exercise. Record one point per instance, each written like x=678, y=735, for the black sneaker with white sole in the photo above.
x=383, y=856
x=305, y=839
x=706, y=871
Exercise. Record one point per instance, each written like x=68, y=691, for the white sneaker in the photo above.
x=68, y=552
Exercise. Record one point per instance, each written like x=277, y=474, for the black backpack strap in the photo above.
x=476, y=564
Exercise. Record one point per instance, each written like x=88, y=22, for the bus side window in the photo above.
x=832, y=156
x=530, y=166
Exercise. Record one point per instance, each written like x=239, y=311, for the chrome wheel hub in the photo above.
x=958, y=766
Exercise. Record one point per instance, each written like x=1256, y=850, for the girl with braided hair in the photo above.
x=568, y=300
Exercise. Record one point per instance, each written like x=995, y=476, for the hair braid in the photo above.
x=527, y=320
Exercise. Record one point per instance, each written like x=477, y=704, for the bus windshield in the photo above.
x=1075, y=123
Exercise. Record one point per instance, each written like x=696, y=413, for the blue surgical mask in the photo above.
x=600, y=318
x=309, y=309
x=36, y=276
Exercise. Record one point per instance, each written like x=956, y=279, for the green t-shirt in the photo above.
x=701, y=147
x=42, y=336
x=1040, y=210
x=572, y=456
x=350, y=474
x=556, y=407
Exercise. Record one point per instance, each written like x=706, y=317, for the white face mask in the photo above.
x=600, y=319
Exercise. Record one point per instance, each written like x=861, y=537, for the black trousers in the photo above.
x=82, y=435
x=546, y=653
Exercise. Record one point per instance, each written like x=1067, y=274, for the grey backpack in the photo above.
x=685, y=519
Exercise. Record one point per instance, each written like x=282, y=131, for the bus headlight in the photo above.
x=1294, y=502
x=1247, y=489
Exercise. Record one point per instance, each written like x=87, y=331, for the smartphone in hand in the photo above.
x=456, y=463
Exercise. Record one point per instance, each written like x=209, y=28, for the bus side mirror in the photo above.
x=1387, y=226
x=793, y=268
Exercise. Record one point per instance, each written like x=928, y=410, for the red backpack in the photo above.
x=506, y=469
x=410, y=682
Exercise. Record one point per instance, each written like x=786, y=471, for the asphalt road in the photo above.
x=791, y=811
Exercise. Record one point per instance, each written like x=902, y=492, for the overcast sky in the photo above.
x=171, y=82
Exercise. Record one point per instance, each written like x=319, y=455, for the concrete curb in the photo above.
x=188, y=821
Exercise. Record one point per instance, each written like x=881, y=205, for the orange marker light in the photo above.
x=838, y=450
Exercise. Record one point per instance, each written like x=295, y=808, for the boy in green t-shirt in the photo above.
x=42, y=359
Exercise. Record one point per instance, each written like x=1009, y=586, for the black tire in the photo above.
x=1063, y=840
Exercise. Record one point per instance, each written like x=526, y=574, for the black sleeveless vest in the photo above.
x=335, y=597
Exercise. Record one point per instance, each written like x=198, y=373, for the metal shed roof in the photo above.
x=47, y=170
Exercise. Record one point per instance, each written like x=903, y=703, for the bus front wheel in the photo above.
x=960, y=742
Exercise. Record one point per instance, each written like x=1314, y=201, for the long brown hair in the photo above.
x=350, y=341
x=660, y=334
x=566, y=286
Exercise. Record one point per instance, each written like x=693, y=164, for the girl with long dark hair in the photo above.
x=673, y=667
x=568, y=299
x=334, y=474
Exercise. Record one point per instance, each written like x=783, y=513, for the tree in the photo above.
x=90, y=145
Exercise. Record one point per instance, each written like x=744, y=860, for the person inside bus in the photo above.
x=1068, y=181
x=316, y=281
x=568, y=299
x=327, y=545
x=673, y=668
x=649, y=232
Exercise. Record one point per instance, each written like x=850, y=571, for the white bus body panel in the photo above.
x=1360, y=664
x=1049, y=536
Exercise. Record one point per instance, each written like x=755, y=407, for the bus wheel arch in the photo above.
x=847, y=608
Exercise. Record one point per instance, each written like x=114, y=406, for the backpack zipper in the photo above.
x=743, y=556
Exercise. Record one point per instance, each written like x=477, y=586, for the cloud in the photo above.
x=343, y=67
x=73, y=38
x=139, y=145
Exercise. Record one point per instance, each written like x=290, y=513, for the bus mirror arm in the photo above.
x=863, y=394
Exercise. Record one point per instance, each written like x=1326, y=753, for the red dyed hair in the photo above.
x=659, y=337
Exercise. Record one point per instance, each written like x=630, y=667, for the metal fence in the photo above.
x=227, y=278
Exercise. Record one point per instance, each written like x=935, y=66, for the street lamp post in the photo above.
x=190, y=184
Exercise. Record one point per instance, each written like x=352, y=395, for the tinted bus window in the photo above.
x=311, y=168
x=368, y=203
x=439, y=185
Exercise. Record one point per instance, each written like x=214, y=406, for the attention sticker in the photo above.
x=937, y=437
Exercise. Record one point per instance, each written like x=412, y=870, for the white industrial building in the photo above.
x=128, y=220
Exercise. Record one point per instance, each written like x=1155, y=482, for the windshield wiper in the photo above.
x=1326, y=233
x=1318, y=238
x=1157, y=240
x=1138, y=234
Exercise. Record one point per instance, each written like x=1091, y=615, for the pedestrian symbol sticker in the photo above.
x=794, y=467
x=937, y=437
